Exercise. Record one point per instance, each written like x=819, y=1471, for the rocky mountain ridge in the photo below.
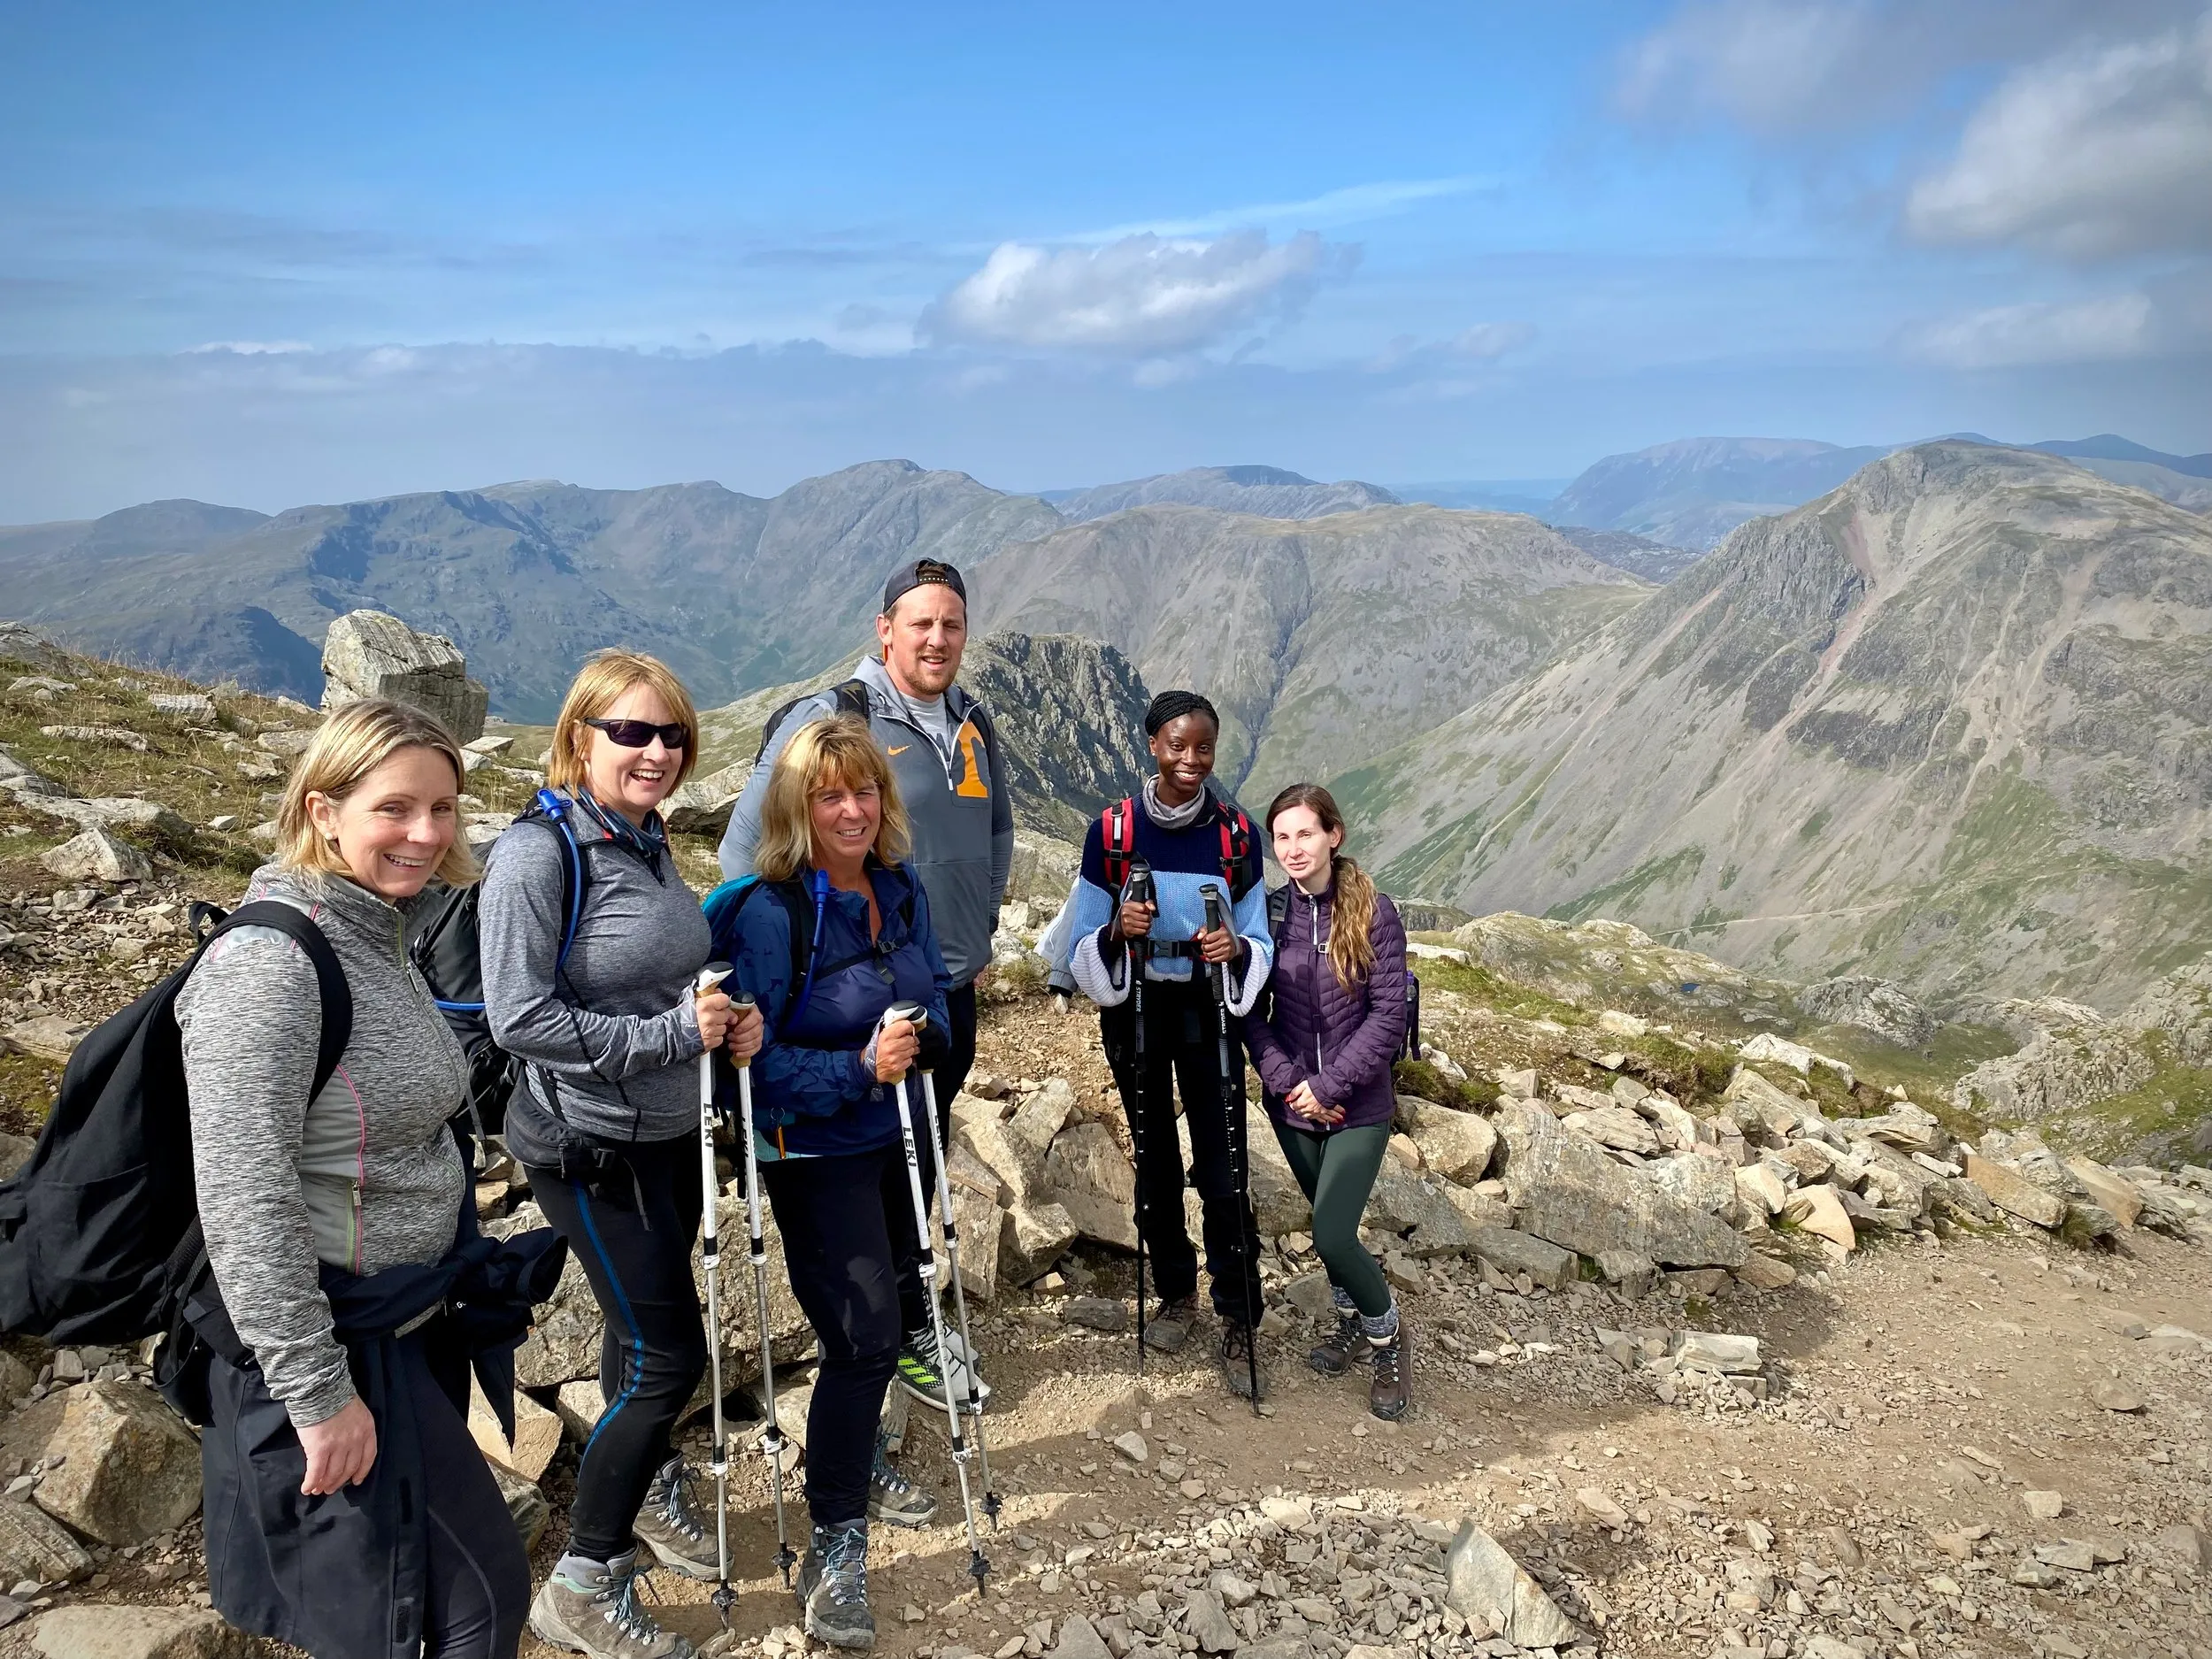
x=1947, y=725
x=1320, y=640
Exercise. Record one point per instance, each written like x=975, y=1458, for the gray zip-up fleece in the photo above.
x=610, y=1040
x=961, y=808
x=364, y=1176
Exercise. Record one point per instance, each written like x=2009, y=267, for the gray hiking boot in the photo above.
x=595, y=1612
x=672, y=1528
x=893, y=1498
x=833, y=1588
x=1170, y=1327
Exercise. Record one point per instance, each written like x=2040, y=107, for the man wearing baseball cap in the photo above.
x=945, y=754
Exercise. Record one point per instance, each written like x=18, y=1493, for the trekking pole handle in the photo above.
x=914, y=1013
x=711, y=976
x=1215, y=905
x=742, y=1000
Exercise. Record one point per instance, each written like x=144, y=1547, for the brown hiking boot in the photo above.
x=598, y=1615
x=1238, y=1361
x=1391, y=1394
x=1168, y=1329
x=1335, y=1357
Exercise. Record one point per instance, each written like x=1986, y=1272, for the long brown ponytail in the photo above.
x=1351, y=931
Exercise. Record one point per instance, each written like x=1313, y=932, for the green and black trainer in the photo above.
x=924, y=1369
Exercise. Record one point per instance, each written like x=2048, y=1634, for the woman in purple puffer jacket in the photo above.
x=1324, y=1057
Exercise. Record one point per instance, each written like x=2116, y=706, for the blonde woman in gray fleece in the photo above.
x=297, y=1194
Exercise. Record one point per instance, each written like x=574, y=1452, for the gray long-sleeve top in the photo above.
x=609, y=1039
x=959, y=799
x=366, y=1176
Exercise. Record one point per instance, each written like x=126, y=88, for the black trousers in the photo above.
x=476, y=1579
x=1182, y=1050
x=848, y=1223
x=949, y=1079
x=632, y=1232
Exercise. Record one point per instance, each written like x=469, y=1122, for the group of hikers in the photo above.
x=829, y=988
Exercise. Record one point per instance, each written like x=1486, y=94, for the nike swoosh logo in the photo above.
x=900, y=749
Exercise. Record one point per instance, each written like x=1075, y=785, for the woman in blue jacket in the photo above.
x=830, y=860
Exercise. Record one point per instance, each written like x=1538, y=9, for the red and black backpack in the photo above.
x=1117, y=832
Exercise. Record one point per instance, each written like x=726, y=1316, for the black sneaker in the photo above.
x=1238, y=1363
x=833, y=1588
x=1335, y=1355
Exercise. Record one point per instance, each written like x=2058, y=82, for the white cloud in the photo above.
x=1796, y=65
x=252, y=348
x=2118, y=326
x=1143, y=296
x=1352, y=205
x=2092, y=152
x=1482, y=343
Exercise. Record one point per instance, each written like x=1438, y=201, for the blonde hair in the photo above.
x=597, y=687
x=839, y=751
x=1351, y=927
x=353, y=743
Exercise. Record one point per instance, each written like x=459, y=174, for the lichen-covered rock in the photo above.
x=373, y=654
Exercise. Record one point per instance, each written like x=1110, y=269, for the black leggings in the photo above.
x=846, y=1223
x=639, y=1263
x=1181, y=1046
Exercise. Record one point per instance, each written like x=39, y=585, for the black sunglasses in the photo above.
x=638, y=734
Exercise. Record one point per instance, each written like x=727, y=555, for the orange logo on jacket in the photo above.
x=972, y=785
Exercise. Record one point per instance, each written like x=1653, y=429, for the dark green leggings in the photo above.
x=1336, y=1172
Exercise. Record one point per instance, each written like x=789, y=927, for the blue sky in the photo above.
x=266, y=255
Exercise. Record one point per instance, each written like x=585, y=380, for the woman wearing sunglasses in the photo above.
x=605, y=1118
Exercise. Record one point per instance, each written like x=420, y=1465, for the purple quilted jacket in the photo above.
x=1340, y=1041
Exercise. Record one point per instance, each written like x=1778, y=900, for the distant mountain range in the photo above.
x=735, y=591
x=1268, y=491
x=1950, y=724
x=1693, y=492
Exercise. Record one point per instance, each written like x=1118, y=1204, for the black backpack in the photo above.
x=99, y=1231
x=852, y=698
x=1278, y=912
x=444, y=945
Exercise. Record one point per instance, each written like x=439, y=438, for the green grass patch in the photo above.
x=2154, y=1121
x=1423, y=1081
x=27, y=1092
x=1503, y=995
x=1691, y=1075
x=1619, y=898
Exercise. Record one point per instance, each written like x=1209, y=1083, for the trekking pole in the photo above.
x=710, y=1254
x=959, y=1298
x=771, y=1437
x=1138, y=890
x=1232, y=1109
x=914, y=1012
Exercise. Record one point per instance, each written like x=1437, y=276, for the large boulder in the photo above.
x=373, y=654
x=1035, y=1237
x=1565, y=1188
x=1088, y=1174
x=1872, y=1005
x=138, y=1632
x=93, y=855
x=121, y=1467
x=1492, y=1591
x=702, y=806
x=1456, y=1145
x=1420, y=1210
